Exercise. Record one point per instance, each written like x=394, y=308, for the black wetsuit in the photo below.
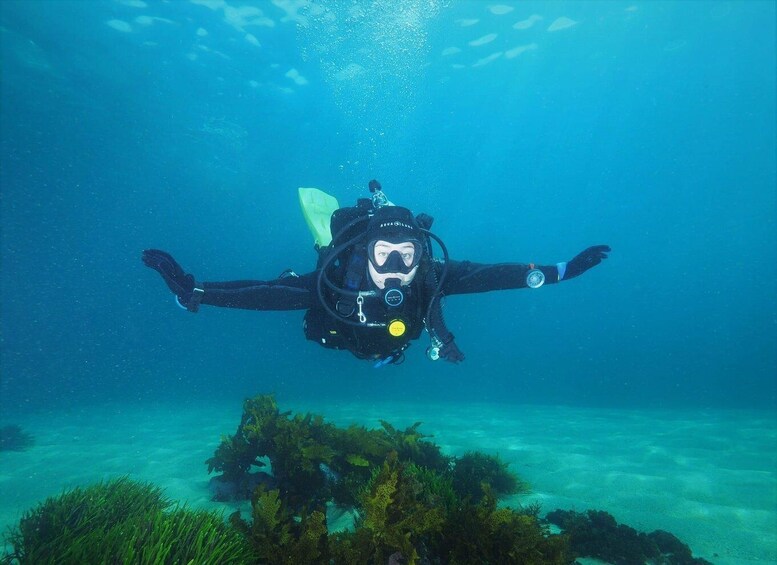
x=300, y=293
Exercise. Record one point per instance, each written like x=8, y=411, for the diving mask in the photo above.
x=387, y=257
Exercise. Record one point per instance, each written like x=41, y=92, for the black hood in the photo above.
x=394, y=224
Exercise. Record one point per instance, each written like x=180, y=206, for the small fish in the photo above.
x=330, y=475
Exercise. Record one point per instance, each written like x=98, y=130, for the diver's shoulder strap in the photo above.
x=354, y=275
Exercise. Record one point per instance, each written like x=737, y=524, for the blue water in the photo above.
x=188, y=126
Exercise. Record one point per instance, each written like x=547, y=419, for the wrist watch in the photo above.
x=534, y=278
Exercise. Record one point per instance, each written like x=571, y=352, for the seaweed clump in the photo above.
x=474, y=469
x=413, y=503
x=13, y=438
x=123, y=521
x=596, y=533
x=313, y=461
x=280, y=537
x=396, y=518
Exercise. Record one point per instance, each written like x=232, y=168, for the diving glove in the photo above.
x=180, y=283
x=583, y=261
x=451, y=353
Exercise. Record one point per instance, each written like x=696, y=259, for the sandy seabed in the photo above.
x=707, y=476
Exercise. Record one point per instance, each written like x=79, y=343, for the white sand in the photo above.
x=709, y=477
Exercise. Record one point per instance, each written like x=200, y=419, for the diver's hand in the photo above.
x=177, y=281
x=583, y=261
x=451, y=353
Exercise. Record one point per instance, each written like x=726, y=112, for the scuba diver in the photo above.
x=377, y=284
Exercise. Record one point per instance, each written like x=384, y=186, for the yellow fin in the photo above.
x=317, y=207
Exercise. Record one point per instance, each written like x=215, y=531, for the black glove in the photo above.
x=450, y=352
x=585, y=260
x=179, y=282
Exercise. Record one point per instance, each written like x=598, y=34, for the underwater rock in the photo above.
x=13, y=438
x=595, y=533
x=222, y=489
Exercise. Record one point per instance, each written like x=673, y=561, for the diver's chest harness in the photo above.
x=391, y=313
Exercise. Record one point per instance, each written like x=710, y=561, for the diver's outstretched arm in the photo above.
x=285, y=293
x=465, y=277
